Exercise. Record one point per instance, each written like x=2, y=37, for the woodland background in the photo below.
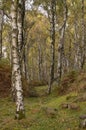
x=43, y=59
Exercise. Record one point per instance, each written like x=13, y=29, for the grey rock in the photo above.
x=83, y=117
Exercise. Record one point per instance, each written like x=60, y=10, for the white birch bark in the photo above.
x=16, y=73
x=19, y=24
x=21, y=35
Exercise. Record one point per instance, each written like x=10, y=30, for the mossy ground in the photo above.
x=36, y=118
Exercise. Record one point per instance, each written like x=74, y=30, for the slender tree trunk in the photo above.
x=26, y=56
x=61, y=58
x=52, y=31
x=16, y=72
x=69, y=56
x=1, y=27
x=20, y=23
x=77, y=48
x=26, y=63
x=21, y=40
x=83, y=47
x=40, y=61
x=80, y=48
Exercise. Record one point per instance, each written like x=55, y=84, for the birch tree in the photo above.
x=1, y=27
x=77, y=46
x=16, y=73
x=40, y=61
x=61, y=56
x=83, y=46
x=20, y=24
x=52, y=36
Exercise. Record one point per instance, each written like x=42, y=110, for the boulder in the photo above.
x=73, y=106
x=51, y=112
x=64, y=105
x=83, y=117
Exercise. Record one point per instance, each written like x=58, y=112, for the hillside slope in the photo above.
x=59, y=111
x=5, y=79
x=73, y=82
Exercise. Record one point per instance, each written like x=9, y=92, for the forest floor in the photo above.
x=59, y=111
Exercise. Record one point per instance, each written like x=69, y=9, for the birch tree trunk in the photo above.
x=39, y=62
x=77, y=47
x=61, y=58
x=26, y=63
x=20, y=28
x=83, y=47
x=26, y=56
x=20, y=25
x=52, y=36
x=16, y=73
x=69, y=56
x=1, y=27
x=21, y=42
